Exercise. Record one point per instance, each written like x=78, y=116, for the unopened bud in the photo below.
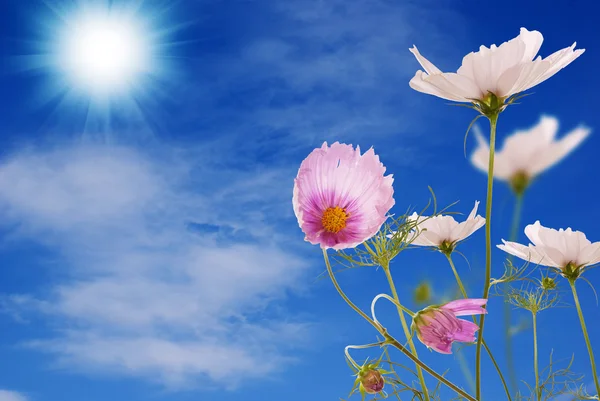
x=548, y=283
x=372, y=381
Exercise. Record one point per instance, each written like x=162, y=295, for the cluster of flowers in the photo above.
x=341, y=197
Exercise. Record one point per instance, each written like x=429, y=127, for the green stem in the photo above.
x=391, y=340
x=507, y=307
x=411, y=344
x=488, y=250
x=464, y=294
x=352, y=361
x=392, y=300
x=585, y=335
x=538, y=389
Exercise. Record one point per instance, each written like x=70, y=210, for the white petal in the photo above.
x=533, y=41
x=575, y=242
x=590, y=255
x=427, y=238
x=529, y=72
x=553, y=63
x=559, y=150
x=552, y=256
x=532, y=232
x=456, y=87
x=527, y=253
x=427, y=231
x=469, y=226
x=426, y=64
x=419, y=83
x=466, y=228
x=498, y=69
x=474, y=211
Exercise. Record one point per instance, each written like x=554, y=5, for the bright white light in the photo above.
x=109, y=62
x=104, y=53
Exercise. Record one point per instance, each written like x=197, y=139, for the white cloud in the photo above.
x=146, y=296
x=6, y=395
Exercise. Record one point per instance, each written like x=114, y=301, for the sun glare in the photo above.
x=103, y=53
x=106, y=63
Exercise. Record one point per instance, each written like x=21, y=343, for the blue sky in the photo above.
x=149, y=251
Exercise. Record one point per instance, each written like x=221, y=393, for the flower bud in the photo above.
x=548, y=283
x=372, y=381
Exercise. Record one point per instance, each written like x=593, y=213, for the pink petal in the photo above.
x=466, y=307
x=467, y=331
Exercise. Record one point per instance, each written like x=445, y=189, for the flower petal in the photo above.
x=590, y=255
x=419, y=83
x=549, y=66
x=469, y=226
x=467, y=331
x=559, y=150
x=527, y=253
x=426, y=64
x=466, y=307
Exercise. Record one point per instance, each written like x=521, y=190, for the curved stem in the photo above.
x=391, y=340
x=352, y=361
x=488, y=250
x=586, y=336
x=507, y=307
x=411, y=344
x=464, y=294
x=392, y=300
x=538, y=389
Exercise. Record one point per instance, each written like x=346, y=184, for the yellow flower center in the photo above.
x=334, y=219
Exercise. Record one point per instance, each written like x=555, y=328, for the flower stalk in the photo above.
x=488, y=248
x=538, y=389
x=586, y=336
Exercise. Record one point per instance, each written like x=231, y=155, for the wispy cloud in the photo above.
x=146, y=295
x=6, y=395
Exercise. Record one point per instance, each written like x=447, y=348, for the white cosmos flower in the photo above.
x=443, y=231
x=525, y=154
x=563, y=249
x=504, y=71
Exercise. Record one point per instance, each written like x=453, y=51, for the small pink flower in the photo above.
x=340, y=196
x=438, y=326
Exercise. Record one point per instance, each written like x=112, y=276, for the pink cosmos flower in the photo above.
x=340, y=196
x=438, y=326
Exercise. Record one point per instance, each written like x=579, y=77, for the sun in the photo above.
x=103, y=53
x=103, y=65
